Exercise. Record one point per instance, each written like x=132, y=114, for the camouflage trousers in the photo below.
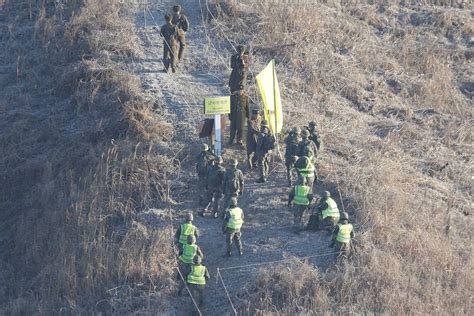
x=264, y=166
x=197, y=291
x=231, y=237
x=343, y=250
x=327, y=223
x=212, y=198
x=170, y=55
x=298, y=212
x=182, y=44
x=289, y=170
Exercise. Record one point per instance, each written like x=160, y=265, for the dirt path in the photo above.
x=267, y=234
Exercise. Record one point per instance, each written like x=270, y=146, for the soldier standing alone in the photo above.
x=239, y=65
x=169, y=32
x=182, y=23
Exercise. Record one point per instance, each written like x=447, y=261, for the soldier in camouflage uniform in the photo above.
x=239, y=112
x=233, y=183
x=215, y=179
x=253, y=129
x=181, y=21
x=314, y=135
x=306, y=147
x=203, y=161
x=233, y=220
x=169, y=32
x=342, y=237
x=239, y=65
x=305, y=167
x=264, y=149
x=291, y=141
x=328, y=212
x=301, y=197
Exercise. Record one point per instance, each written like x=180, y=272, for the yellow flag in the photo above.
x=268, y=85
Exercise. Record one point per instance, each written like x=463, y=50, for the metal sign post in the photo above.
x=217, y=106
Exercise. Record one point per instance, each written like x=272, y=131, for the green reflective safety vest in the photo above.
x=301, y=195
x=344, y=234
x=187, y=229
x=189, y=251
x=236, y=220
x=308, y=170
x=332, y=210
x=197, y=275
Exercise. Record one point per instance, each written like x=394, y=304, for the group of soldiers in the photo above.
x=220, y=185
x=174, y=38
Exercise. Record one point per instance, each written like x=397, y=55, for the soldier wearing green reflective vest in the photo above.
x=305, y=167
x=196, y=281
x=185, y=230
x=187, y=254
x=342, y=236
x=233, y=220
x=301, y=198
x=328, y=212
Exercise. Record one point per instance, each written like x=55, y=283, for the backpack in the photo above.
x=269, y=142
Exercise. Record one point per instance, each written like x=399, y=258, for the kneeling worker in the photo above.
x=233, y=220
x=328, y=212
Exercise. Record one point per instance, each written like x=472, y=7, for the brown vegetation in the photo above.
x=72, y=175
x=383, y=82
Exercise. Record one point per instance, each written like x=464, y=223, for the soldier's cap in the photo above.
x=219, y=160
x=234, y=162
x=189, y=217
x=264, y=123
x=204, y=147
x=297, y=130
x=344, y=216
x=241, y=48
x=233, y=201
x=305, y=133
x=168, y=17
x=326, y=194
x=177, y=8
x=191, y=239
x=197, y=260
x=312, y=124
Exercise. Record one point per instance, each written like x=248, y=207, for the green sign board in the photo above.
x=217, y=105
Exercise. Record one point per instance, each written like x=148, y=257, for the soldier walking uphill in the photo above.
x=265, y=145
x=214, y=182
x=203, y=161
x=239, y=65
x=187, y=254
x=327, y=214
x=314, y=136
x=253, y=129
x=182, y=23
x=342, y=236
x=185, y=230
x=169, y=32
x=239, y=112
x=233, y=183
x=301, y=198
x=196, y=281
x=306, y=147
x=233, y=220
x=291, y=141
x=305, y=167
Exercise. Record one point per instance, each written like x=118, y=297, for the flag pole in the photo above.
x=278, y=153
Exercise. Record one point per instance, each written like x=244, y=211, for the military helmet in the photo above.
x=219, y=160
x=264, y=123
x=197, y=260
x=241, y=49
x=189, y=217
x=204, y=147
x=191, y=239
x=305, y=133
x=233, y=202
x=297, y=130
x=168, y=18
x=312, y=124
x=326, y=194
x=234, y=162
x=344, y=216
x=177, y=8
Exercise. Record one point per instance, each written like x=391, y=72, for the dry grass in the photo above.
x=79, y=162
x=383, y=81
